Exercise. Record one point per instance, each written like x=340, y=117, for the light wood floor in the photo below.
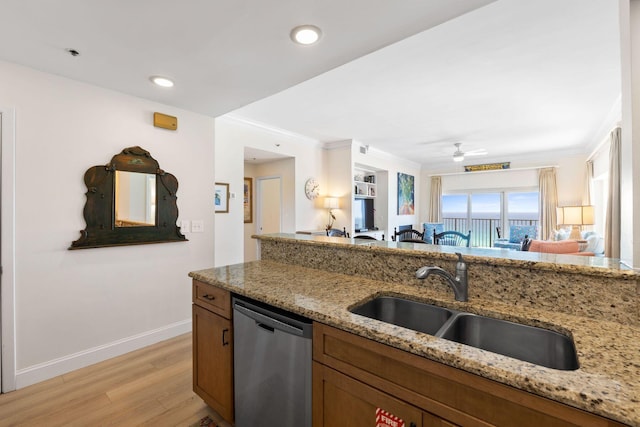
x=150, y=386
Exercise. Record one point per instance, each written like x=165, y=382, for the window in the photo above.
x=483, y=212
x=522, y=208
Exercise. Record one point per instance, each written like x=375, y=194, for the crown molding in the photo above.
x=235, y=119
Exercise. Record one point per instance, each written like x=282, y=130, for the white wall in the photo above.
x=231, y=136
x=285, y=170
x=382, y=161
x=78, y=307
x=630, y=140
x=339, y=183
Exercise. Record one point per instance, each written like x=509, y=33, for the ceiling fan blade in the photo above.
x=480, y=152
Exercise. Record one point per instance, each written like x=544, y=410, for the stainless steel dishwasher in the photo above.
x=272, y=366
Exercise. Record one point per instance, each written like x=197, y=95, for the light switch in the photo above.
x=232, y=195
x=197, y=226
x=185, y=226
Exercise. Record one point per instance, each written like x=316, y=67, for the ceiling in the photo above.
x=517, y=78
x=514, y=77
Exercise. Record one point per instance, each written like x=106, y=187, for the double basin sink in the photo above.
x=528, y=343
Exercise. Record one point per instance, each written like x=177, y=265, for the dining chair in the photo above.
x=402, y=235
x=452, y=238
x=334, y=232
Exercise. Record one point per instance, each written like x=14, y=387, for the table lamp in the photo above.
x=576, y=216
x=331, y=203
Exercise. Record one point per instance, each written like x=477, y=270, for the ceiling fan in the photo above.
x=458, y=155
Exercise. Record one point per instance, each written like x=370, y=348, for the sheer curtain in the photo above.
x=612, y=227
x=548, y=201
x=435, y=207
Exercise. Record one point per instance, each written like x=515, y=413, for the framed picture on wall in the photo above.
x=405, y=194
x=221, y=197
x=248, y=199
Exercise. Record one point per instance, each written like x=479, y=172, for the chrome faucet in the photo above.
x=459, y=284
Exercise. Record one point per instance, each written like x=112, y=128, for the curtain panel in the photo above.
x=548, y=201
x=612, y=226
x=435, y=205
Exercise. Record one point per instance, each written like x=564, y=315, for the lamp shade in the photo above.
x=576, y=215
x=331, y=203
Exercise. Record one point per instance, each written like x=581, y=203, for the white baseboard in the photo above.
x=62, y=365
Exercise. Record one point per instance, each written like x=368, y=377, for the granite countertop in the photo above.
x=606, y=267
x=607, y=382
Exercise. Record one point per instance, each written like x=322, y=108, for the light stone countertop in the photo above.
x=607, y=382
x=606, y=267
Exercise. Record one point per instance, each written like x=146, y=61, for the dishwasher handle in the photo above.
x=268, y=321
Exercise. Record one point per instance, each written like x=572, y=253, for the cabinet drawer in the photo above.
x=212, y=298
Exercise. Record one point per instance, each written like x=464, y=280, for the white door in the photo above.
x=269, y=215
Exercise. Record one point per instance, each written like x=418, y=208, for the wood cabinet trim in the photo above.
x=218, y=393
x=212, y=298
x=400, y=372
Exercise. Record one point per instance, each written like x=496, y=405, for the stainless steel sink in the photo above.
x=406, y=313
x=536, y=345
x=528, y=343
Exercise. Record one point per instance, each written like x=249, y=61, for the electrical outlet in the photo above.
x=185, y=226
x=197, y=226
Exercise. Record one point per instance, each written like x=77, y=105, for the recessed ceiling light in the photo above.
x=161, y=81
x=306, y=34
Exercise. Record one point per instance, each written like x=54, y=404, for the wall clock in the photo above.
x=311, y=189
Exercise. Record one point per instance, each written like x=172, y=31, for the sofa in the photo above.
x=517, y=234
x=567, y=247
x=592, y=243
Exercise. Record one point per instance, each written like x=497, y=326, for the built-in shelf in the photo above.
x=364, y=184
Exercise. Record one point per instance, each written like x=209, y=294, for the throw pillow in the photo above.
x=429, y=227
x=563, y=234
x=517, y=233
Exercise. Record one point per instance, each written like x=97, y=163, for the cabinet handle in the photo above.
x=412, y=424
x=209, y=297
x=224, y=336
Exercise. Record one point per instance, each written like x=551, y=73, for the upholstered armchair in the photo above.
x=517, y=234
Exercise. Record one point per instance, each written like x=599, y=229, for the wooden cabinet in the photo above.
x=365, y=375
x=342, y=401
x=213, y=348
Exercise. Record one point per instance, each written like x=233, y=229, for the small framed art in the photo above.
x=221, y=197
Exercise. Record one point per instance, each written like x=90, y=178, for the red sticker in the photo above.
x=386, y=419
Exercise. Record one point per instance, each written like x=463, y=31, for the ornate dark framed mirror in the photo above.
x=130, y=201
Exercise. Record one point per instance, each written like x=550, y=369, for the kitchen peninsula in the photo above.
x=593, y=300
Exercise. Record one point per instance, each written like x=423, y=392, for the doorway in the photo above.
x=7, y=251
x=268, y=206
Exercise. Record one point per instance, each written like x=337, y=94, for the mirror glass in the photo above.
x=135, y=199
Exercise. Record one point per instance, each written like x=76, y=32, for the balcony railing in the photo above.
x=483, y=230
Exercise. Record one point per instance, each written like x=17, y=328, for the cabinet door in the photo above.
x=213, y=361
x=339, y=400
x=430, y=420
